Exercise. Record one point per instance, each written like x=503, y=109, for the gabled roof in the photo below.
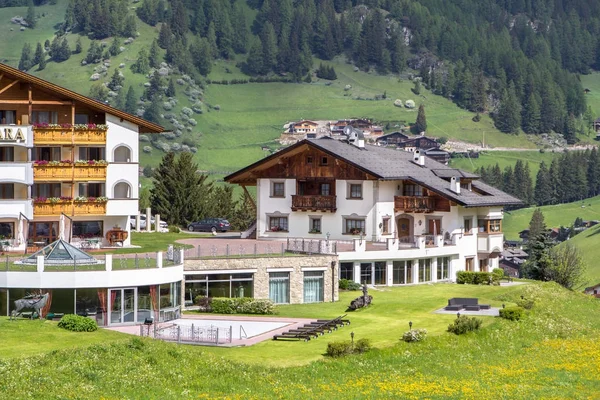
x=145, y=126
x=384, y=163
x=305, y=121
x=388, y=135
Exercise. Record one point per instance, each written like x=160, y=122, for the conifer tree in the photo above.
x=119, y=102
x=537, y=225
x=154, y=56
x=421, y=123
x=543, y=188
x=113, y=50
x=255, y=59
x=152, y=112
x=164, y=36
x=269, y=47
x=39, y=54
x=30, y=17
x=42, y=63
x=200, y=54
x=94, y=54
x=141, y=65
x=78, y=46
x=171, y=89
x=26, y=61
x=593, y=173
x=116, y=81
x=131, y=101
x=531, y=115
x=162, y=195
x=508, y=118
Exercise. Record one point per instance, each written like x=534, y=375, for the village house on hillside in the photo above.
x=593, y=290
x=304, y=126
x=392, y=216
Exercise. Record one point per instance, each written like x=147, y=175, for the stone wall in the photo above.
x=262, y=266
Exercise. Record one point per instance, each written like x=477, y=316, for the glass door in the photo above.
x=366, y=273
x=122, y=306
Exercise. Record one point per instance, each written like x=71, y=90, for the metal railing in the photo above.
x=285, y=248
x=189, y=334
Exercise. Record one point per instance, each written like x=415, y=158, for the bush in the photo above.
x=347, y=284
x=174, y=229
x=497, y=275
x=512, y=313
x=204, y=302
x=77, y=323
x=362, y=346
x=526, y=303
x=473, y=278
x=338, y=349
x=242, y=305
x=464, y=324
x=414, y=335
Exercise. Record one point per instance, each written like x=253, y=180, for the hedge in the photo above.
x=512, y=313
x=242, y=305
x=77, y=323
x=474, y=278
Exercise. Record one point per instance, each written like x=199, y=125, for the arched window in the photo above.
x=122, y=154
x=122, y=190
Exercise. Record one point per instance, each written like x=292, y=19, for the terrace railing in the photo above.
x=189, y=334
x=282, y=248
x=414, y=204
x=313, y=203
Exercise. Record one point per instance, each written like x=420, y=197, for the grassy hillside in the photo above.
x=252, y=115
x=553, y=352
x=554, y=215
x=504, y=159
x=587, y=242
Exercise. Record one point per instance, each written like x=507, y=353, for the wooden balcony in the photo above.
x=89, y=172
x=52, y=209
x=68, y=172
x=56, y=136
x=313, y=203
x=89, y=208
x=56, y=173
x=414, y=204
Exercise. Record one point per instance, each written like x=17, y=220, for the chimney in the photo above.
x=455, y=184
x=418, y=157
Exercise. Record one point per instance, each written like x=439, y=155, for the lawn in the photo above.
x=553, y=353
x=587, y=243
x=554, y=216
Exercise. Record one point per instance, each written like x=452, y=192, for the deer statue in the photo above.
x=35, y=302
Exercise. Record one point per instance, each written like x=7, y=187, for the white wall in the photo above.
x=15, y=172
x=12, y=208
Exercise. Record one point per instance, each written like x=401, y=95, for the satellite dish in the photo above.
x=347, y=130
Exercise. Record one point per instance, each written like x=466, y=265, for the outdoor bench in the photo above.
x=466, y=303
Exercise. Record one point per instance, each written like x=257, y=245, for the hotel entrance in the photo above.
x=123, y=305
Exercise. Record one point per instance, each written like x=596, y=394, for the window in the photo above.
x=366, y=273
x=324, y=161
x=92, y=153
x=8, y=117
x=122, y=191
x=86, y=229
x=43, y=232
x=489, y=225
x=402, y=272
x=354, y=226
x=380, y=273
x=278, y=224
x=219, y=285
x=425, y=270
x=313, y=286
x=7, y=230
x=277, y=189
x=309, y=160
x=385, y=225
x=47, y=153
x=469, y=262
x=443, y=264
x=7, y=190
x=325, y=189
x=91, y=189
x=82, y=118
x=122, y=154
x=355, y=191
x=7, y=154
x=468, y=222
x=410, y=189
x=279, y=287
x=484, y=265
x=314, y=225
x=48, y=117
x=347, y=271
x=46, y=190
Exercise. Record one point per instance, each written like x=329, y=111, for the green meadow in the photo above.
x=553, y=352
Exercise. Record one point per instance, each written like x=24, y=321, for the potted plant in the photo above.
x=355, y=231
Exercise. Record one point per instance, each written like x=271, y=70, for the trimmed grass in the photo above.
x=152, y=242
x=554, y=216
x=554, y=352
x=505, y=159
x=23, y=338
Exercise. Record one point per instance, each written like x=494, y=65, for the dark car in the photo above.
x=210, y=225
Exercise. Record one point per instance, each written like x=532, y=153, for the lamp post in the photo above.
x=352, y=338
x=410, y=325
x=458, y=314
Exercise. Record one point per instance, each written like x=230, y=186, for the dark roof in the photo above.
x=384, y=137
x=145, y=126
x=389, y=164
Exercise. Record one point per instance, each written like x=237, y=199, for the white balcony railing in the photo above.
x=14, y=208
x=16, y=172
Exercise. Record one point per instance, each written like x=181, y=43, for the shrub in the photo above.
x=338, y=349
x=174, y=229
x=464, y=324
x=204, y=302
x=497, y=274
x=526, y=303
x=347, y=284
x=362, y=346
x=414, y=335
x=77, y=323
x=512, y=313
x=473, y=278
x=243, y=305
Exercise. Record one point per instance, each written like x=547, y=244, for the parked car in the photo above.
x=210, y=225
x=163, y=224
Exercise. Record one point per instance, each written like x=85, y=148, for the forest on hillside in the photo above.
x=518, y=60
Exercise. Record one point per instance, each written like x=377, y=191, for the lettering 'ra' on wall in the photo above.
x=12, y=134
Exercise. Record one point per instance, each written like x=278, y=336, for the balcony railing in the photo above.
x=66, y=172
x=313, y=203
x=68, y=136
x=68, y=207
x=414, y=204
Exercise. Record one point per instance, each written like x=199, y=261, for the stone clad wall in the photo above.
x=263, y=265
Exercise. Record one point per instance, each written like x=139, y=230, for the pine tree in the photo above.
x=211, y=36
x=30, y=17
x=39, y=54
x=26, y=61
x=543, y=189
x=508, y=181
x=155, y=87
x=162, y=195
x=537, y=225
x=531, y=115
x=570, y=130
x=42, y=63
x=119, y=102
x=255, y=60
x=421, y=123
x=417, y=88
x=269, y=47
x=171, y=89
x=94, y=54
x=131, y=101
x=114, y=50
x=154, y=56
x=555, y=182
x=64, y=52
x=593, y=173
x=508, y=118
x=478, y=93
x=78, y=46
x=116, y=81
x=164, y=36
x=98, y=92
x=192, y=191
x=152, y=112
x=201, y=55
x=141, y=65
